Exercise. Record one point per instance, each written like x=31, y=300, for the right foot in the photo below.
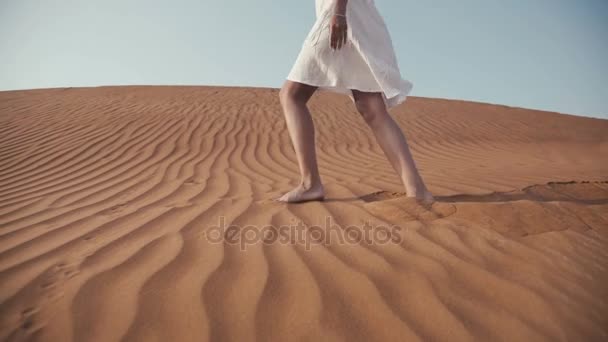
x=421, y=193
x=303, y=194
x=426, y=197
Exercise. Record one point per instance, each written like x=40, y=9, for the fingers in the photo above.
x=344, y=36
x=341, y=39
x=339, y=36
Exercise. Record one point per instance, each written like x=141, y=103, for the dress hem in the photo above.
x=395, y=100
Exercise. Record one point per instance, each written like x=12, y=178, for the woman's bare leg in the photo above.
x=392, y=141
x=294, y=97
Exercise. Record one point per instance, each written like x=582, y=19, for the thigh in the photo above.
x=298, y=91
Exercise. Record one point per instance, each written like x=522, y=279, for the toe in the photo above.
x=285, y=197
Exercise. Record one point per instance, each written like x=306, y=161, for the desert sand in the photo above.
x=111, y=199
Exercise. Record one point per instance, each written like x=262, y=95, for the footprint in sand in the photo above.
x=396, y=207
x=115, y=210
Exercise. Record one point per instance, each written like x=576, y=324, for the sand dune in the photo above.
x=111, y=199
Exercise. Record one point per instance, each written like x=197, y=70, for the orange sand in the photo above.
x=108, y=196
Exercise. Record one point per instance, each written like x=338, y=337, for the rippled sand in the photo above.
x=110, y=198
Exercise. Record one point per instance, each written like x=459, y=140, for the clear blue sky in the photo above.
x=544, y=54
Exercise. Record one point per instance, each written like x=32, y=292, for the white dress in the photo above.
x=367, y=62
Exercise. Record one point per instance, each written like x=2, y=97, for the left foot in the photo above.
x=303, y=194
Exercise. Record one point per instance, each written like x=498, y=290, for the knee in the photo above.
x=368, y=111
x=289, y=95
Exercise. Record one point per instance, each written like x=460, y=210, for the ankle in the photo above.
x=416, y=188
x=308, y=184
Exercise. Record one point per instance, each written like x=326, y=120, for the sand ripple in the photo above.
x=111, y=197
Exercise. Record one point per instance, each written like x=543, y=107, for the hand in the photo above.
x=339, y=32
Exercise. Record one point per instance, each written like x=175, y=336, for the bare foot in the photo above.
x=426, y=197
x=303, y=194
x=421, y=193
